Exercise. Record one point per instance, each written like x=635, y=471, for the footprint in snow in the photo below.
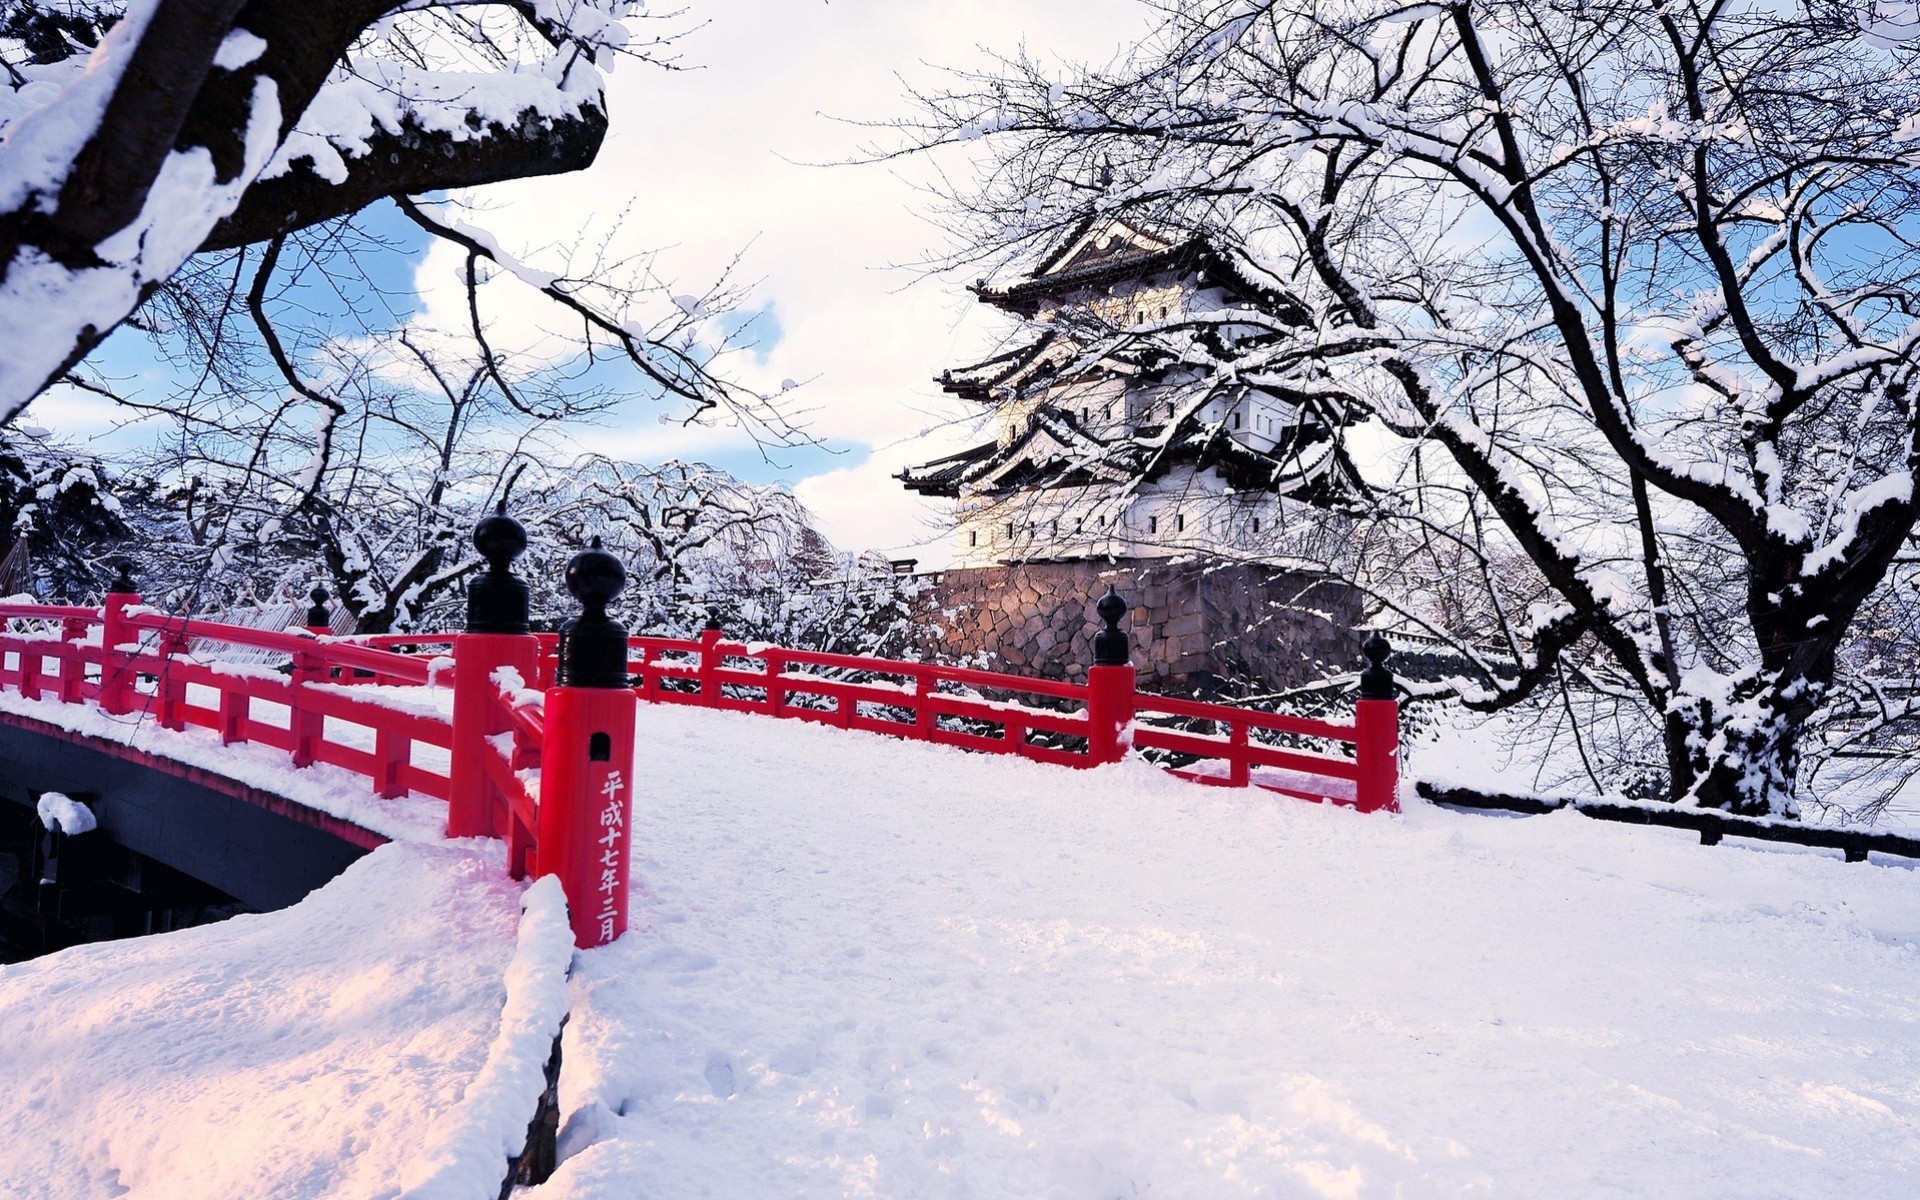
x=719, y=1075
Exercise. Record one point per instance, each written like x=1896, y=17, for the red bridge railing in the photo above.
x=544, y=760
x=135, y=661
x=1039, y=719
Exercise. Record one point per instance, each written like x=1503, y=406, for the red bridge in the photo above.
x=529, y=737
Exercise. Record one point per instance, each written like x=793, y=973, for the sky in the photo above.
x=724, y=158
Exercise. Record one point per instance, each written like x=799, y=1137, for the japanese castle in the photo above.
x=1106, y=446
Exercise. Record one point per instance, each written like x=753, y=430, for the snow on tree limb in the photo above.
x=112, y=175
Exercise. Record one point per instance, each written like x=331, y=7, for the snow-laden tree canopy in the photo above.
x=133, y=135
x=1635, y=286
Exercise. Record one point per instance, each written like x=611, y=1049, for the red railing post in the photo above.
x=586, y=763
x=1239, y=768
x=392, y=751
x=306, y=725
x=1110, y=694
x=710, y=659
x=30, y=662
x=1110, y=686
x=497, y=636
x=926, y=718
x=1376, y=720
x=117, y=693
x=776, y=694
x=73, y=662
x=172, y=692
x=235, y=707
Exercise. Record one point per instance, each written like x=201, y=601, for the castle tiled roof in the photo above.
x=1084, y=260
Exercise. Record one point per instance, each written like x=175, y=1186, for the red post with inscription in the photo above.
x=497, y=635
x=1376, y=720
x=586, y=763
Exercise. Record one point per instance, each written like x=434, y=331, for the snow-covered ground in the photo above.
x=863, y=967
x=322, y=1052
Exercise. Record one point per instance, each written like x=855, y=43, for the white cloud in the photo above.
x=708, y=161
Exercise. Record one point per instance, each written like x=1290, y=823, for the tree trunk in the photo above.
x=1741, y=752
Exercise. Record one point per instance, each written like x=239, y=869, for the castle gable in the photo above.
x=1101, y=244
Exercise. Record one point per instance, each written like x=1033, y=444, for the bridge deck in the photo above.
x=310, y=1052
x=859, y=967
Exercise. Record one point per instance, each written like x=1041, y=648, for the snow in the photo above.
x=1893, y=489
x=867, y=967
x=64, y=813
x=296, y=1054
x=238, y=49
x=467, y=1151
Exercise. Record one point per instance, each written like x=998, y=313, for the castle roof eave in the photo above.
x=1195, y=254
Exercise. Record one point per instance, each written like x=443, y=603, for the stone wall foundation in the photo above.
x=1197, y=625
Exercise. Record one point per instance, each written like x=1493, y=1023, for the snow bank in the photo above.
x=296, y=1055
x=65, y=814
x=468, y=1149
x=866, y=967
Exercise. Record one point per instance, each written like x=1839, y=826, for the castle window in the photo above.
x=1163, y=312
x=973, y=537
x=1179, y=522
x=1079, y=524
x=1236, y=419
x=1256, y=524
x=1056, y=529
x=1009, y=531
x=1153, y=524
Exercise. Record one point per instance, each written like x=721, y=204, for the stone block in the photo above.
x=1186, y=626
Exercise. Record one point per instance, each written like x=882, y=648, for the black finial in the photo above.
x=713, y=620
x=318, y=614
x=497, y=599
x=123, y=578
x=593, y=646
x=1110, y=644
x=1376, y=682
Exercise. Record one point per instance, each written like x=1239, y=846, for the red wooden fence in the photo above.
x=342, y=705
x=986, y=711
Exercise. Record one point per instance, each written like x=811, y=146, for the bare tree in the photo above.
x=698, y=541
x=1629, y=289
x=306, y=411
